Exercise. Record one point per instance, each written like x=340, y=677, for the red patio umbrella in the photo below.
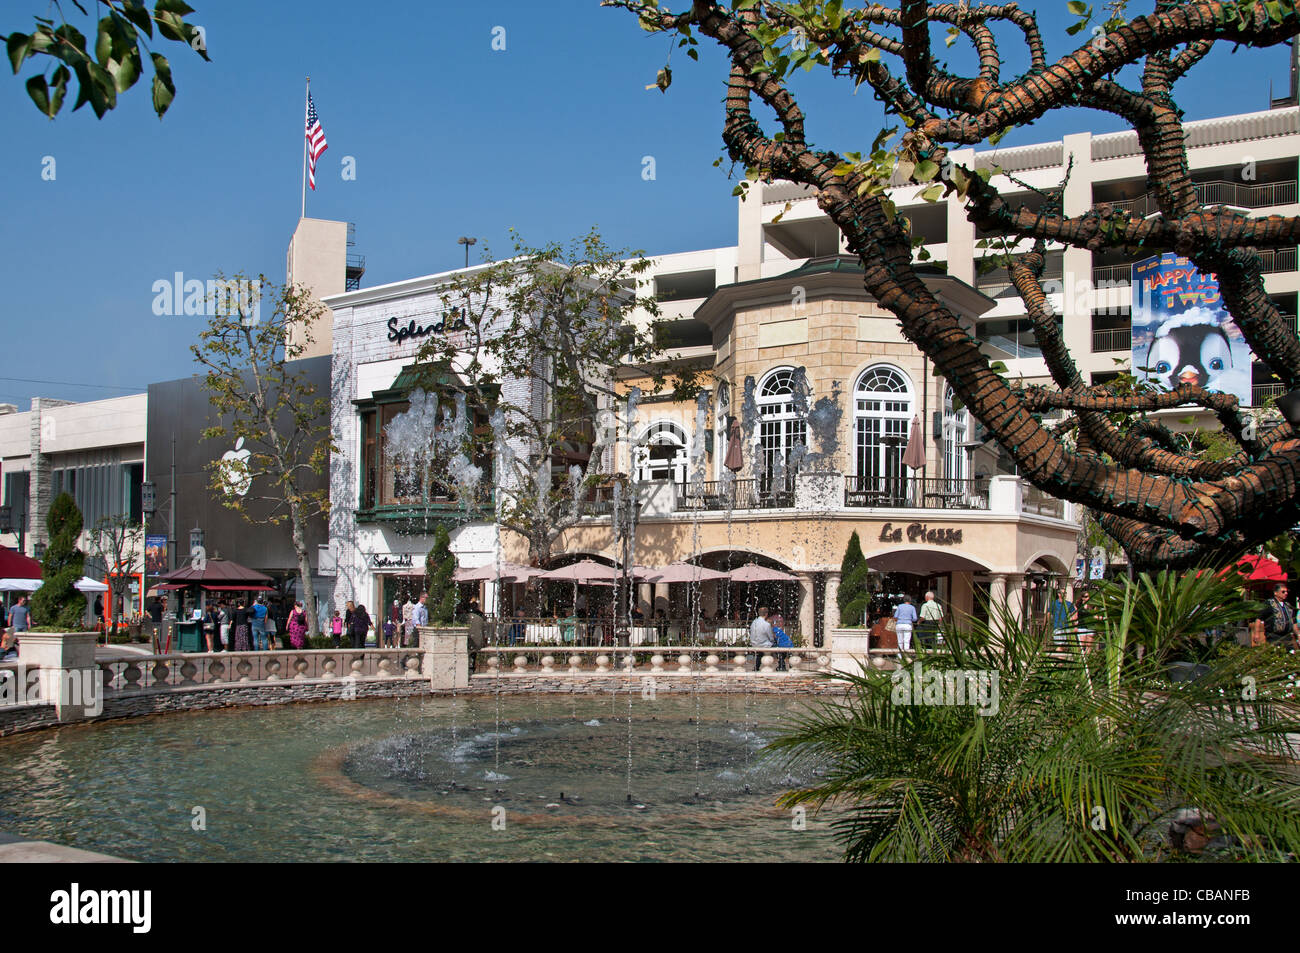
x=1261, y=569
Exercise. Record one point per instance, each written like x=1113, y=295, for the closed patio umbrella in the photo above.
x=735, y=458
x=914, y=455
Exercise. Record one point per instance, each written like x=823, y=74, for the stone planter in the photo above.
x=445, y=661
x=69, y=677
x=849, y=650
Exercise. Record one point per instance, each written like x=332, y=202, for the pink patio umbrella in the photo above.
x=511, y=572
x=752, y=572
x=683, y=572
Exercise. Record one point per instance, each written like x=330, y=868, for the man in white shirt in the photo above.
x=761, y=635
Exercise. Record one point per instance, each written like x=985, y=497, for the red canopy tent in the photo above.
x=14, y=565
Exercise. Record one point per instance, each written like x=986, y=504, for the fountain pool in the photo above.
x=471, y=778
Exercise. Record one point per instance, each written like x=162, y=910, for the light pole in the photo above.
x=463, y=240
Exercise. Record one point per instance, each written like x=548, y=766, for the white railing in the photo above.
x=503, y=661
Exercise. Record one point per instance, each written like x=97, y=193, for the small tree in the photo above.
x=280, y=424
x=58, y=604
x=440, y=568
x=115, y=542
x=558, y=318
x=853, y=594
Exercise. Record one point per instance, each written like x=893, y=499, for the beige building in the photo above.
x=322, y=258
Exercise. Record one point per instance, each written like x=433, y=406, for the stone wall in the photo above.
x=226, y=695
x=723, y=684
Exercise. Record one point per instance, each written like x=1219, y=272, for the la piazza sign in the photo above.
x=921, y=533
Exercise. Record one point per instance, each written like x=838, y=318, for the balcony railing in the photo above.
x=1112, y=339
x=1036, y=501
x=1218, y=193
x=1272, y=261
x=940, y=493
x=1260, y=393
x=734, y=495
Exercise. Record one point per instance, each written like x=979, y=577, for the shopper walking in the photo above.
x=298, y=626
x=241, y=622
x=931, y=616
x=361, y=626
x=904, y=619
x=336, y=629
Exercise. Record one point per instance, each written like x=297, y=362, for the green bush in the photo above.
x=439, y=568
x=853, y=594
x=58, y=603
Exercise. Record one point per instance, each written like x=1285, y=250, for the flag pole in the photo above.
x=305, y=107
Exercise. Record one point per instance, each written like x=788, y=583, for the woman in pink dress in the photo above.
x=298, y=626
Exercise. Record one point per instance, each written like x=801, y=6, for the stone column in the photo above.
x=445, y=657
x=832, y=605
x=997, y=593
x=69, y=677
x=1016, y=595
x=807, y=606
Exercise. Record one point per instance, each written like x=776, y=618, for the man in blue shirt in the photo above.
x=258, y=624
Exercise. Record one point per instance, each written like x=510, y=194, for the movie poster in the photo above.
x=155, y=555
x=1181, y=332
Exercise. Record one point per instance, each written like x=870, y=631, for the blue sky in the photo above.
x=449, y=138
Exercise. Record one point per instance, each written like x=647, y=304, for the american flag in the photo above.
x=315, y=142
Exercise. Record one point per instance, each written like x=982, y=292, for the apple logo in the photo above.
x=234, y=470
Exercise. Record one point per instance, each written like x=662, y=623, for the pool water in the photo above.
x=473, y=778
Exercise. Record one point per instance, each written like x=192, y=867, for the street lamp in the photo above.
x=39, y=549
x=196, y=539
x=149, y=498
x=463, y=240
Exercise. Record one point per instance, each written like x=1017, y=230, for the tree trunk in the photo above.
x=304, y=570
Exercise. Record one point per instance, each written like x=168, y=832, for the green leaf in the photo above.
x=40, y=93
x=104, y=40
x=932, y=193
x=1076, y=28
x=998, y=367
x=18, y=46
x=164, y=91
x=138, y=14
x=1077, y=7
x=61, y=77
x=953, y=33
x=693, y=54
x=173, y=6
x=925, y=170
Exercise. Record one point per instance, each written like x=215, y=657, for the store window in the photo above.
x=883, y=402
x=781, y=430
x=956, y=434
x=661, y=453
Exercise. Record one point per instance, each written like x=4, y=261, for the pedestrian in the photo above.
x=348, y=608
x=927, y=628
x=518, y=629
x=419, y=617
x=223, y=625
x=209, y=627
x=19, y=620
x=241, y=623
x=155, y=616
x=1280, y=626
x=904, y=619
x=271, y=630
x=361, y=626
x=336, y=629
x=760, y=635
x=257, y=619
x=298, y=626
x=1062, y=615
x=783, y=641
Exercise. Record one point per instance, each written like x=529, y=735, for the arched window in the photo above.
x=780, y=432
x=956, y=432
x=722, y=410
x=883, y=400
x=661, y=453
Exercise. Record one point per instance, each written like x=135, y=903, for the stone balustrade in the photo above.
x=507, y=661
x=192, y=670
